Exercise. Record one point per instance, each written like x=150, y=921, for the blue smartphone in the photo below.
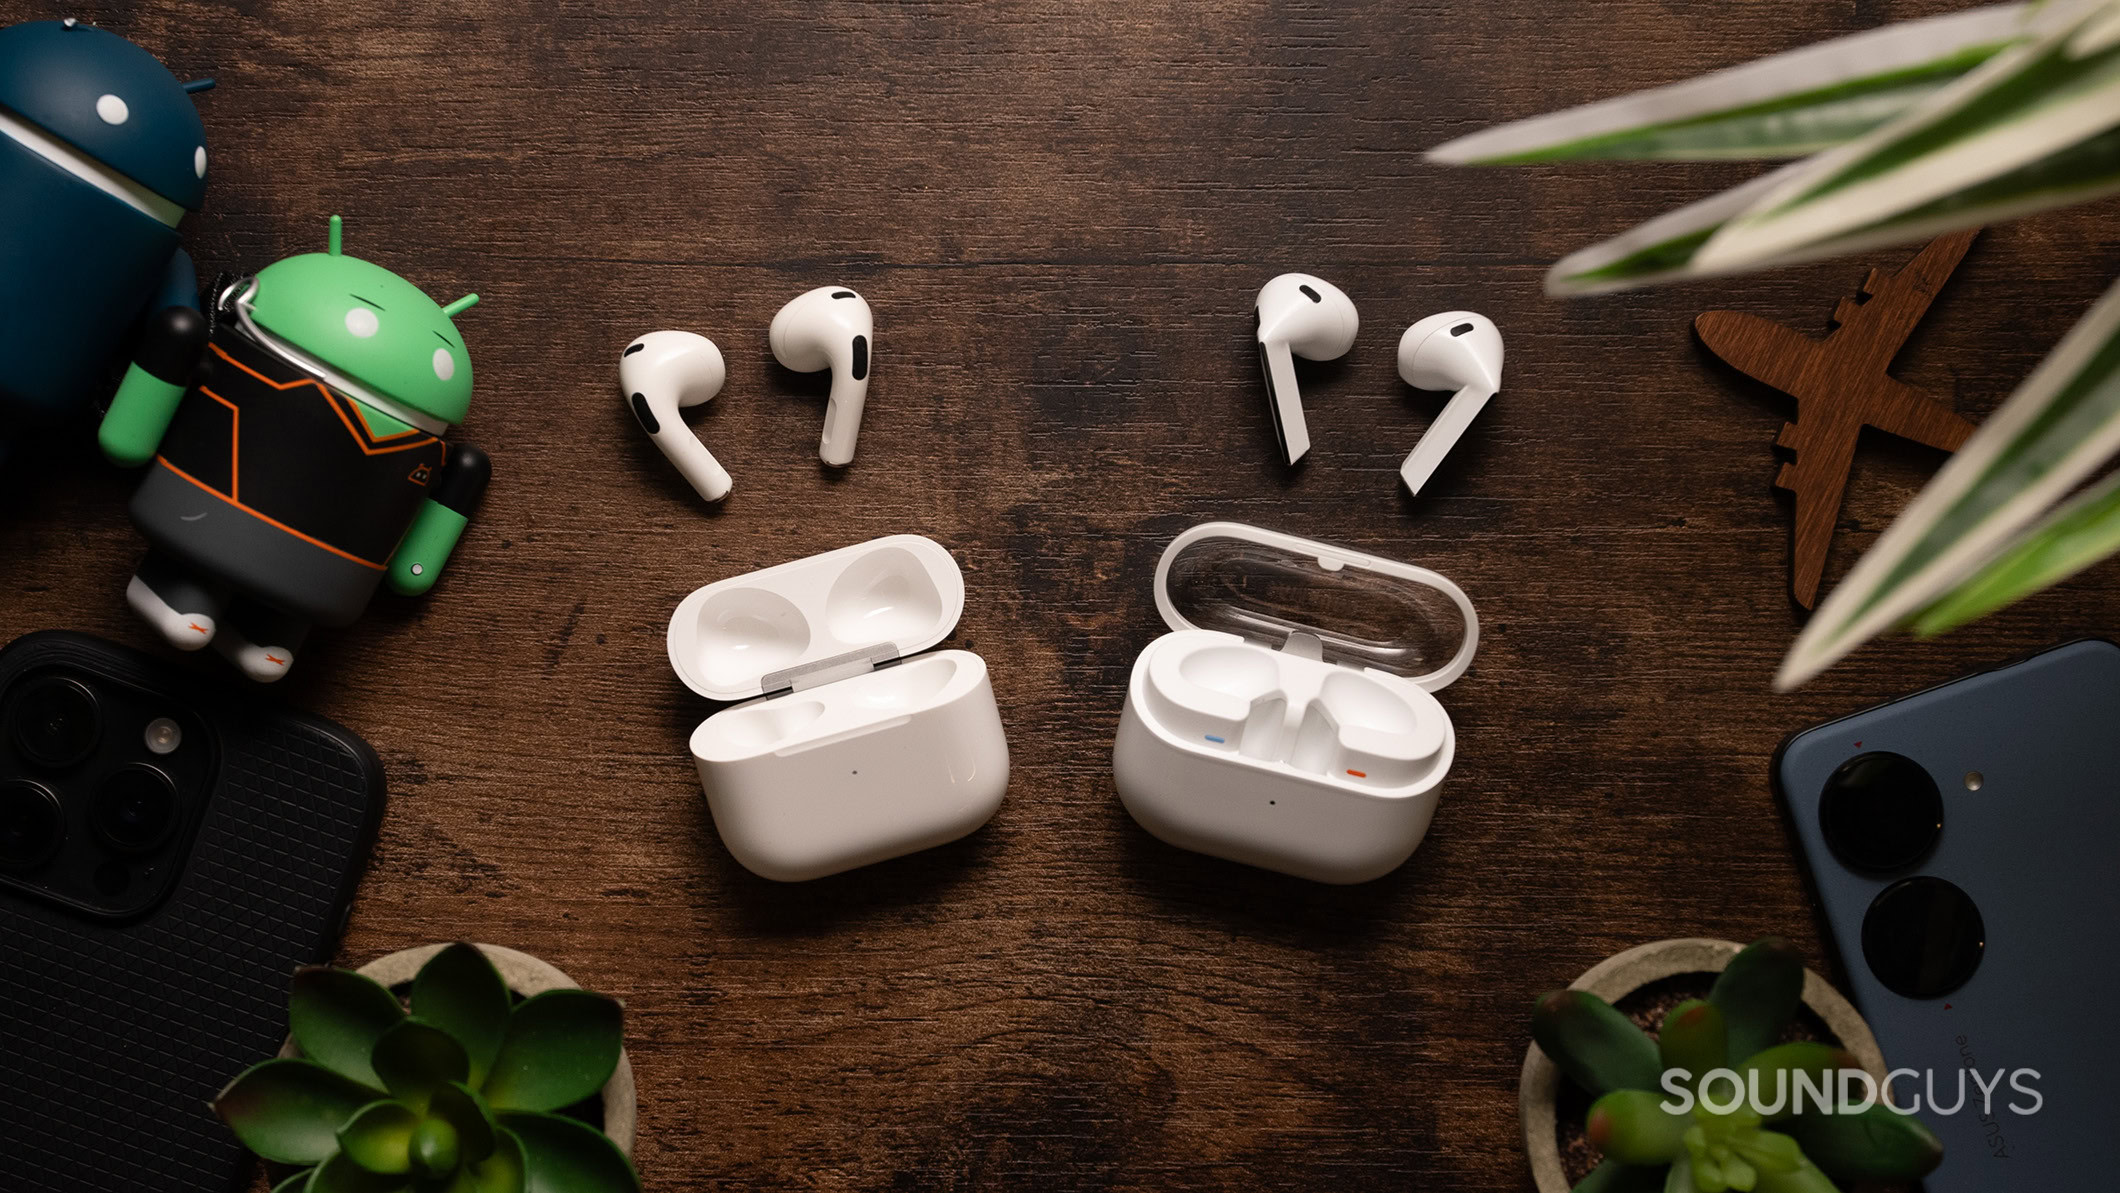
x=1962, y=844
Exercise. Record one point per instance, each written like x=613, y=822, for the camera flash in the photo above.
x=163, y=736
x=1973, y=780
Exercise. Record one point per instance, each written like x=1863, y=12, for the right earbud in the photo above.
x=664, y=372
x=830, y=328
x=1458, y=351
x=1299, y=315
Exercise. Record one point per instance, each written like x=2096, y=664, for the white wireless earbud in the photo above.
x=830, y=328
x=664, y=372
x=1299, y=315
x=1456, y=350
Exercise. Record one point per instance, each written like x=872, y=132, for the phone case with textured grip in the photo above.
x=115, y=1034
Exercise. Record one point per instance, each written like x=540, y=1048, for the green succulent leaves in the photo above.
x=1632, y=1127
x=415, y=1058
x=379, y=1137
x=336, y=1017
x=289, y=1110
x=1725, y=1045
x=459, y=992
x=1758, y=993
x=1694, y=1039
x=1879, y=1143
x=566, y=1156
x=453, y=1097
x=560, y=1047
x=1596, y=1046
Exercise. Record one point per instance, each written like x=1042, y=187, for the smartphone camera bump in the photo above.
x=1881, y=813
x=31, y=827
x=54, y=722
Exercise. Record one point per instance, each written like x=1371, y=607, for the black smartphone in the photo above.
x=170, y=851
x=1960, y=842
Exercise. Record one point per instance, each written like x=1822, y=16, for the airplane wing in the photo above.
x=1759, y=348
x=1912, y=413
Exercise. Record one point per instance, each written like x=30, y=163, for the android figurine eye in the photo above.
x=362, y=322
x=101, y=154
x=299, y=462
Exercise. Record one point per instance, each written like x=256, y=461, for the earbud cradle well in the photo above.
x=1280, y=741
x=852, y=746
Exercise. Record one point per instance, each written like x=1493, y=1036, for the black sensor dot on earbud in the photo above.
x=1310, y=294
x=1461, y=329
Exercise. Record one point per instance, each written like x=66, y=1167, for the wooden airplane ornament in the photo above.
x=1842, y=384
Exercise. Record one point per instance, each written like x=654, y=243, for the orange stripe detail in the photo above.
x=329, y=396
x=314, y=542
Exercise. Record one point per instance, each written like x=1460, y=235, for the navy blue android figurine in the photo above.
x=101, y=153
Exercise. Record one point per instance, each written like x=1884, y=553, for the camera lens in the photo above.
x=1923, y=937
x=1881, y=812
x=54, y=721
x=30, y=826
x=134, y=809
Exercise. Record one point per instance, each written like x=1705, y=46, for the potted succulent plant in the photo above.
x=471, y=1082
x=1647, y=1132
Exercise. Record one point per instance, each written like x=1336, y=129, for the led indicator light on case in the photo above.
x=1359, y=774
x=1218, y=741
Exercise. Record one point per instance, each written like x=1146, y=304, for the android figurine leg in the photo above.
x=260, y=639
x=167, y=596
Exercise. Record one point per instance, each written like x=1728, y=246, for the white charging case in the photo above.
x=857, y=747
x=1289, y=720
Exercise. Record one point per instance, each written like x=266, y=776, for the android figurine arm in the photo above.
x=418, y=561
x=154, y=384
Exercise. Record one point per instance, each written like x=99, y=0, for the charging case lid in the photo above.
x=815, y=619
x=1284, y=591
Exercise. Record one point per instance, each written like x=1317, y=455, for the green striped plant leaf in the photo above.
x=2067, y=541
x=2042, y=98
x=1954, y=553
x=1787, y=105
x=1668, y=247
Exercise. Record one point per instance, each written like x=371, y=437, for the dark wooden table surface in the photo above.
x=1060, y=213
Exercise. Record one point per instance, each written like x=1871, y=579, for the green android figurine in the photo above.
x=297, y=455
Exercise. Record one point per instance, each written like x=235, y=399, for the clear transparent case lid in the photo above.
x=1343, y=606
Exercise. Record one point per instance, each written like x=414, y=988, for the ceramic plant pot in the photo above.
x=525, y=976
x=1617, y=977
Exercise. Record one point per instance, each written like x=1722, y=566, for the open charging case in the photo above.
x=851, y=746
x=1288, y=720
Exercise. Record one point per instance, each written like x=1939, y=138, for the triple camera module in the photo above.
x=1882, y=815
x=96, y=792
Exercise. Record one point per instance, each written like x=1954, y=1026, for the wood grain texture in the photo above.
x=1060, y=213
x=1841, y=385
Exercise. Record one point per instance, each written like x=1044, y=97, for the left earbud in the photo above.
x=667, y=371
x=1306, y=316
x=830, y=328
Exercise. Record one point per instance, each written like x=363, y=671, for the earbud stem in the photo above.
x=1286, y=399
x=842, y=419
x=1449, y=426
x=691, y=458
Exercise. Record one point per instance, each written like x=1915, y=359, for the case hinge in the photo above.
x=831, y=670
